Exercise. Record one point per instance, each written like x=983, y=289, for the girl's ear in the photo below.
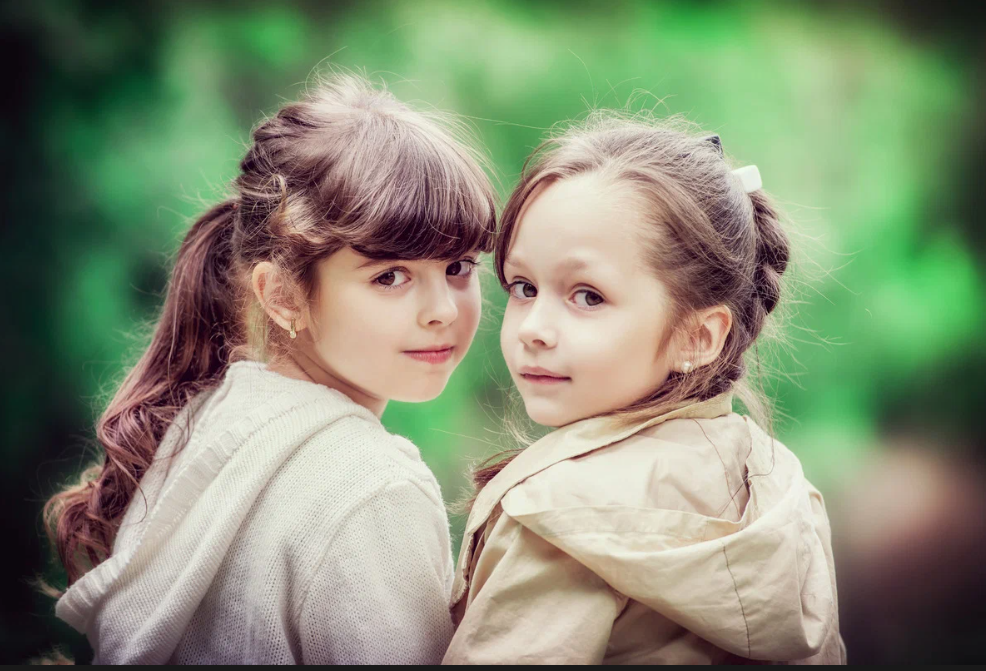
x=705, y=340
x=276, y=297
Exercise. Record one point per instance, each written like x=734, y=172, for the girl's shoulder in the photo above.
x=687, y=465
x=340, y=448
x=345, y=467
x=366, y=446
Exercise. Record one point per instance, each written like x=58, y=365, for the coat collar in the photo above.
x=575, y=440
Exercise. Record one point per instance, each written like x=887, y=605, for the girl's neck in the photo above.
x=300, y=366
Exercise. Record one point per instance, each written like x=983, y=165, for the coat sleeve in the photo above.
x=380, y=594
x=530, y=603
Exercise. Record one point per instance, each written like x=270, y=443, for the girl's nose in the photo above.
x=536, y=331
x=439, y=307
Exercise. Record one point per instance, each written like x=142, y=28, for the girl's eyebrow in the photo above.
x=396, y=259
x=570, y=265
x=376, y=262
x=513, y=261
x=573, y=265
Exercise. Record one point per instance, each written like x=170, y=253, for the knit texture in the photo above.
x=289, y=528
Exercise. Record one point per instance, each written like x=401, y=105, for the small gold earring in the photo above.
x=686, y=367
x=293, y=333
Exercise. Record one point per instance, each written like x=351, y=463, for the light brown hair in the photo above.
x=711, y=243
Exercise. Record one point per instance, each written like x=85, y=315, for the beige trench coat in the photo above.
x=690, y=538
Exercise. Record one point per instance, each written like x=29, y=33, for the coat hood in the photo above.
x=761, y=587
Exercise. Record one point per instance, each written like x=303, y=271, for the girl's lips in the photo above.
x=431, y=356
x=540, y=375
x=544, y=379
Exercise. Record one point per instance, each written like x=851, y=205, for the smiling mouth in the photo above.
x=545, y=379
x=537, y=375
x=432, y=355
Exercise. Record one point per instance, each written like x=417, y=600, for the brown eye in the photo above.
x=460, y=269
x=522, y=290
x=590, y=299
x=392, y=279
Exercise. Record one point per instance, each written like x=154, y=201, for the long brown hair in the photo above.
x=346, y=166
x=711, y=243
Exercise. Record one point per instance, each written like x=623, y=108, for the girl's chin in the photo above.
x=420, y=393
x=543, y=414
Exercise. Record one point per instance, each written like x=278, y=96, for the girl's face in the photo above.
x=392, y=330
x=585, y=317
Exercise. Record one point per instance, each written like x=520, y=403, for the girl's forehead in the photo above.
x=578, y=223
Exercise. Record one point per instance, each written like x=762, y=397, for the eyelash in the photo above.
x=510, y=291
x=469, y=263
x=509, y=288
x=590, y=291
x=390, y=287
x=393, y=287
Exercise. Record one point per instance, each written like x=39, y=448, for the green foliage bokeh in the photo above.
x=130, y=120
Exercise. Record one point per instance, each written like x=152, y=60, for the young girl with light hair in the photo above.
x=251, y=508
x=655, y=525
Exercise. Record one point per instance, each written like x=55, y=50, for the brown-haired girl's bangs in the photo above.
x=425, y=199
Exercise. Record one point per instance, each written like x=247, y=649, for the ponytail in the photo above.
x=346, y=166
x=188, y=353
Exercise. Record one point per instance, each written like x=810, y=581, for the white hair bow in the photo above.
x=749, y=177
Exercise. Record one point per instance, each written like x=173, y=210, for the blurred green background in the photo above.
x=123, y=121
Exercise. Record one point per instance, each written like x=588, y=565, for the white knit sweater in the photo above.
x=291, y=528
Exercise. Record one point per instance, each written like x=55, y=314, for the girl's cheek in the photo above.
x=508, y=340
x=508, y=330
x=368, y=309
x=470, y=306
x=598, y=346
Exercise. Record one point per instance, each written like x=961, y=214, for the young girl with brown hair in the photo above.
x=655, y=525
x=251, y=508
